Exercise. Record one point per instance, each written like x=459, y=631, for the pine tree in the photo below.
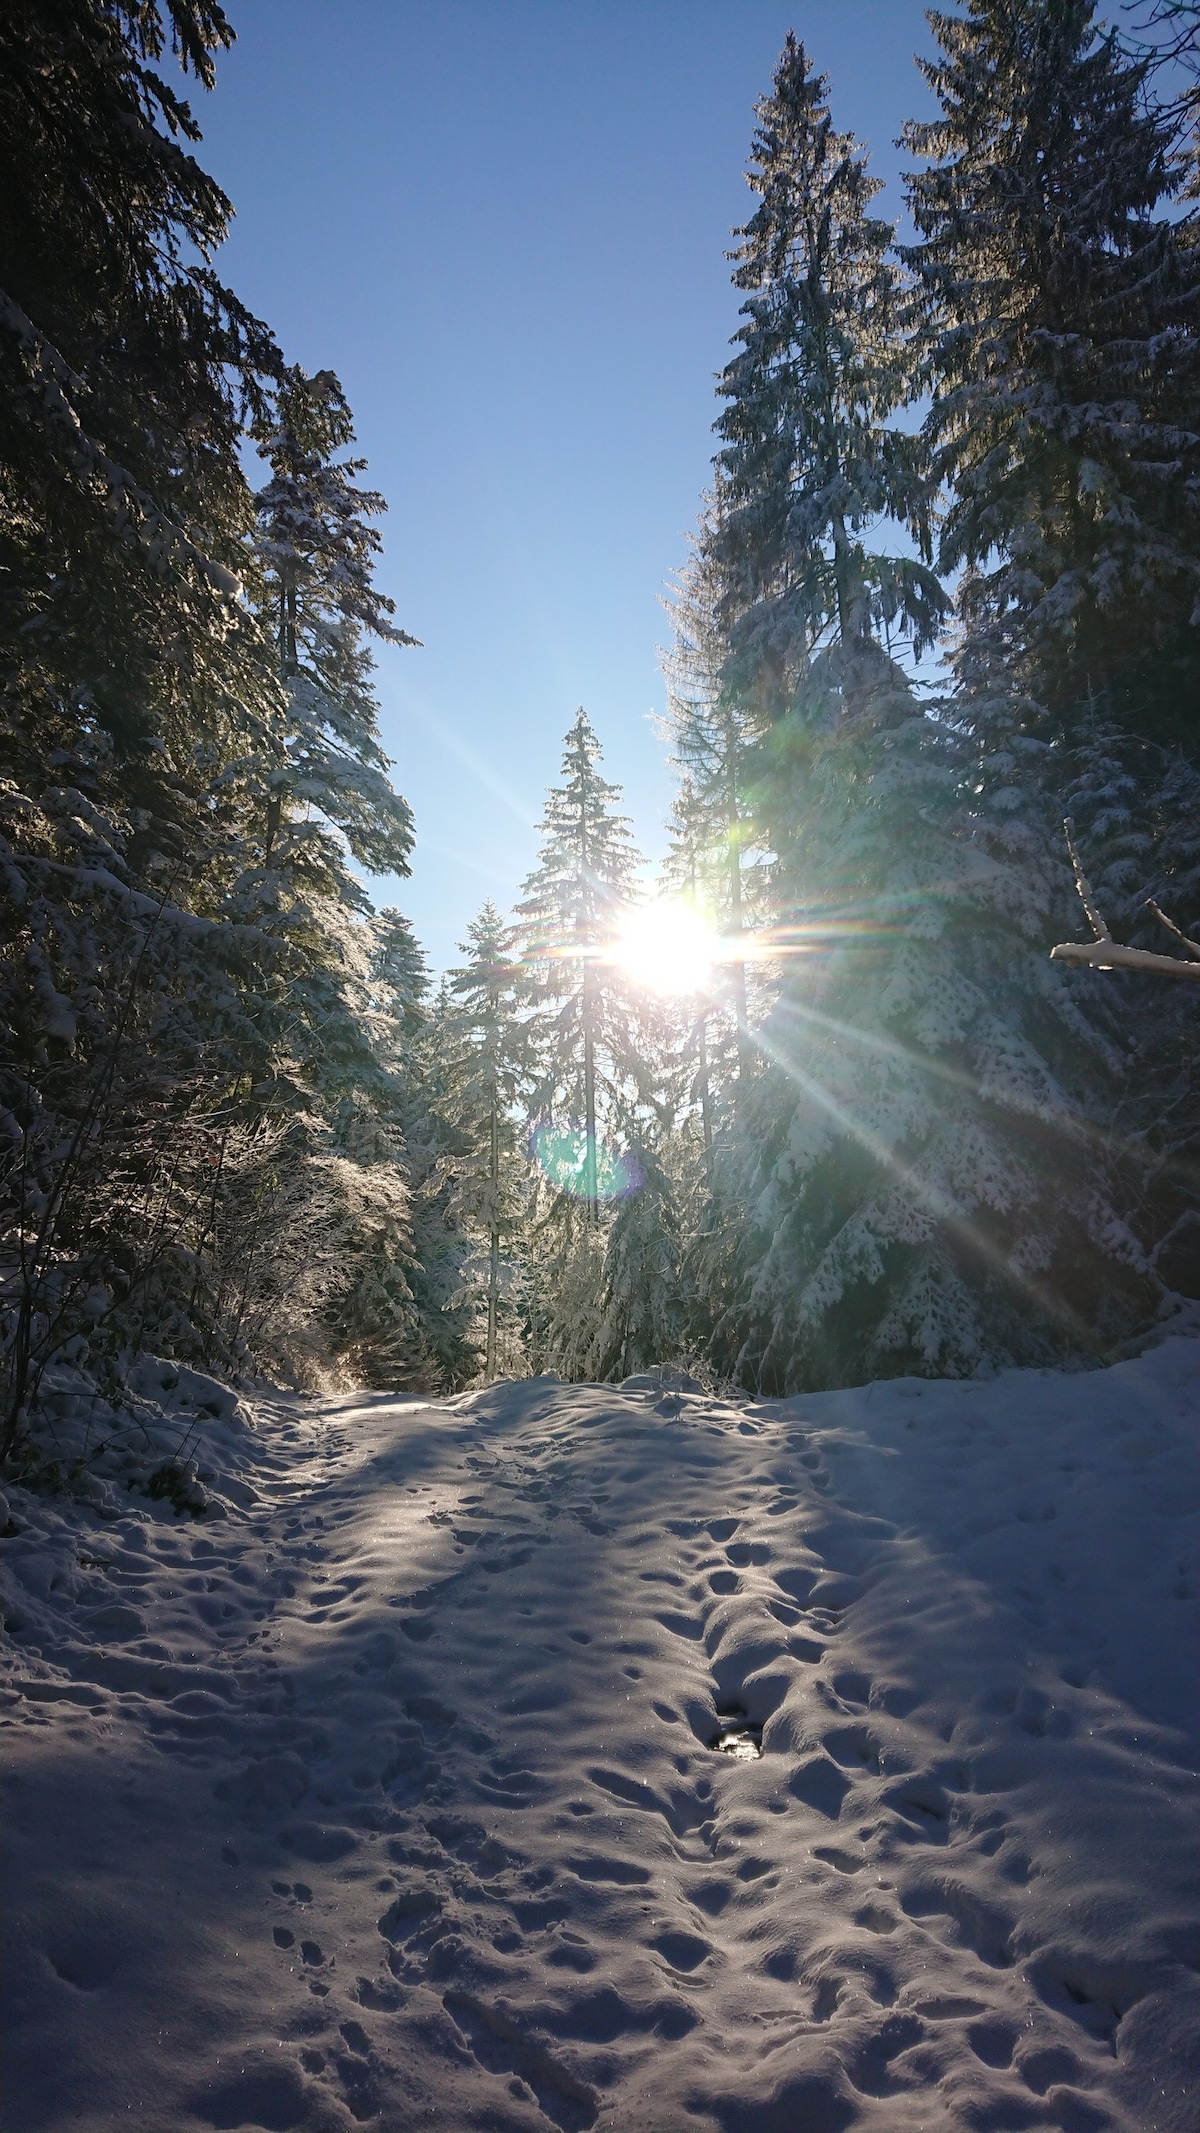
x=488, y=1077
x=688, y=861
x=401, y=976
x=927, y=1160
x=588, y=1053
x=810, y=469
x=318, y=552
x=318, y=796
x=711, y=733
x=187, y=1076
x=1061, y=315
x=920, y=1177
x=1136, y=812
x=125, y=370
x=641, y=1307
x=131, y=675
x=416, y=1287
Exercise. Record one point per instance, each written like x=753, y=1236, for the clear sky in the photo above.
x=503, y=223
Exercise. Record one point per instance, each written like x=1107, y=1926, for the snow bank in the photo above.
x=423, y=1786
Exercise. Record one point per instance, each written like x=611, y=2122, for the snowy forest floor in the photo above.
x=390, y=1790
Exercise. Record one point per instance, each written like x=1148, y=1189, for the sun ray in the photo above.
x=936, y=1205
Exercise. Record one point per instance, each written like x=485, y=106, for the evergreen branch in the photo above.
x=130, y=506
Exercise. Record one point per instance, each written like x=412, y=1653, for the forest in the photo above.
x=943, y=593
x=608, y=1537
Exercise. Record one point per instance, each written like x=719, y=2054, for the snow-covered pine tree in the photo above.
x=401, y=977
x=711, y=730
x=928, y=1160
x=131, y=677
x=643, y=1318
x=817, y=533
x=410, y=1299
x=126, y=368
x=590, y=1069
x=169, y=1036
x=323, y=798
x=709, y=1049
x=487, y=1079
x=1062, y=302
x=919, y=1178
x=318, y=550
x=813, y=485
x=1136, y=811
x=1062, y=292
x=588, y=1058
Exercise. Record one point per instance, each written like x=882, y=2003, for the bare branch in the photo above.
x=1084, y=886
x=1110, y=955
x=1106, y=954
x=1193, y=947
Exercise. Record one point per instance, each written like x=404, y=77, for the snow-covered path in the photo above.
x=397, y=1795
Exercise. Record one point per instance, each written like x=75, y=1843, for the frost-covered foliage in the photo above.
x=488, y=1056
x=810, y=473
x=1061, y=290
x=928, y=1166
x=413, y=1292
x=940, y=1163
x=1136, y=809
x=589, y=1063
x=711, y=729
x=643, y=1317
x=126, y=371
x=195, y=1107
x=318, y=552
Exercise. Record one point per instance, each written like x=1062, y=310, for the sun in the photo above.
x=666, y=948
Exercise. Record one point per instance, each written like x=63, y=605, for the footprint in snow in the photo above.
x=502, y=2045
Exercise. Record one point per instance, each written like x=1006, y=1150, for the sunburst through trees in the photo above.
x=813, y=1107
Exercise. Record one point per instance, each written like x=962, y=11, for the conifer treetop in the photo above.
x=586, y=867
x=808, y=465
x=1061, y=307
x=318, y=550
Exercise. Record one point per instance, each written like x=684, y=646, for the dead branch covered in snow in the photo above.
x=1103, y=953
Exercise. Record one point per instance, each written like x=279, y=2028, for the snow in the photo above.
x=389, y=1788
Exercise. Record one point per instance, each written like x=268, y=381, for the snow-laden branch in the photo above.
x=1103, y=953
x=131, y=508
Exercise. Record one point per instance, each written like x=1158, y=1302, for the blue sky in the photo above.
x=503, y=223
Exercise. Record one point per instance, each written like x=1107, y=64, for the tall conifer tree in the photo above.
x=712, y=730
x=809, y=468
x=318, y=550
x=918, y=1177
x=167, y=1042
x=1062, y=306
x=571, y=908
x=488, y=1079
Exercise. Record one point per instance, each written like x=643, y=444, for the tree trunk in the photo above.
x=287, y=624
x=845, y=577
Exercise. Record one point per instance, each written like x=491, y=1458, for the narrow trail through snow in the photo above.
x=397, y=1794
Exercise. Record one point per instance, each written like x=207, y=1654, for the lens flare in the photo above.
x=562, y=1155
x=666, y=948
